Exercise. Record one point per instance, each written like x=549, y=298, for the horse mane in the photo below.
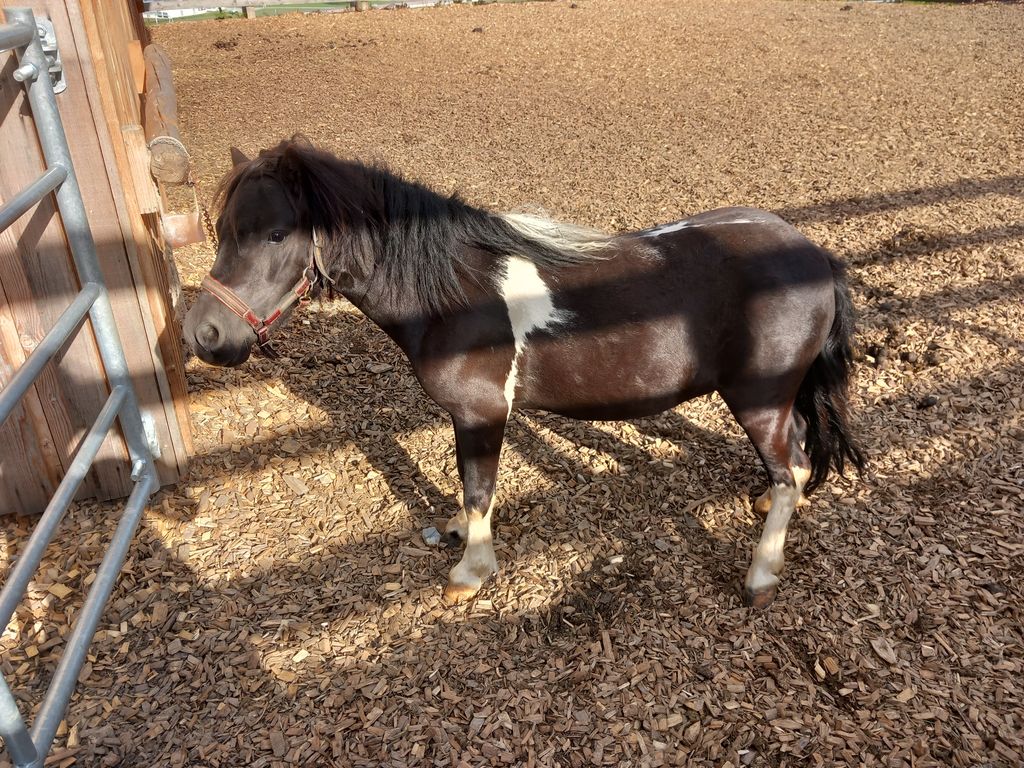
x=413, y=238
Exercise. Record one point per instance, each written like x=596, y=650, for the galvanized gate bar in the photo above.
x=31, y=195
x=63, y=683
x=32, y=554
x=17, y=740
x=25, y=749
x=66, y=326
x=15, y=36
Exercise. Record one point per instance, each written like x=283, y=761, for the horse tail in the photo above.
x=822, y=399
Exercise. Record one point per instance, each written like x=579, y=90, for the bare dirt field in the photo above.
x=280, y=608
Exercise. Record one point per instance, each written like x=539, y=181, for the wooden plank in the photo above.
x=30, y=468
x=17, y=346
x=146, y=194
x=138, y=65
x=24, y=328
x=154, y=260
x=157, y=266
x=114, y=37
x=161, y=293
x=157, y=261
x=129, y=22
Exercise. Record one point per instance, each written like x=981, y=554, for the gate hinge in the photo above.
x=48, y=40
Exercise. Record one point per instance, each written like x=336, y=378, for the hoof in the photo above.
x=759, y=599
x=763, y=503
x=466, y=578
x=457, y=593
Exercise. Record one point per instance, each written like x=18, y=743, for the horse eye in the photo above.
x=277, y=236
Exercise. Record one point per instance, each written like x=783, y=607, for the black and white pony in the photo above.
x=496, y=312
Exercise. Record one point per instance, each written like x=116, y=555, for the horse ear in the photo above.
x=238, y=156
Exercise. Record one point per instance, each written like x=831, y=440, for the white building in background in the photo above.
x=182, y=13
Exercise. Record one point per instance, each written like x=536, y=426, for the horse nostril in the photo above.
x=207, y=335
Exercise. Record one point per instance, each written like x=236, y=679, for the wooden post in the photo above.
x=250, y=12
x=169, y=161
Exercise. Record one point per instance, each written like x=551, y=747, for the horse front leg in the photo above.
x=477, y=448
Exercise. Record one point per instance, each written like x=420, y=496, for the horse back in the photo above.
x=679, y=311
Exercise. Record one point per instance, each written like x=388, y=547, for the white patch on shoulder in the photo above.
x=530, y=309
x=667, y=229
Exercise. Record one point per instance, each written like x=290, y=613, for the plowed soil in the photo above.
x=280, y=607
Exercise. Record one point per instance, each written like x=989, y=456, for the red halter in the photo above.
x=298, y=293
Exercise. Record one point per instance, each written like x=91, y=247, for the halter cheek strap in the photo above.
x=297, y=294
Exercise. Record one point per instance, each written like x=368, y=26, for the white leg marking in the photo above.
x=530, y=308
x=769, y=557
x=478, y=561
x=764, y=502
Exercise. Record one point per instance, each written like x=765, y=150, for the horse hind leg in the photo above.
x=763, y=503
x=775, y=435
x=762, y=580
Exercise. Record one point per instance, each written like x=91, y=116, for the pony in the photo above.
x=497, y=312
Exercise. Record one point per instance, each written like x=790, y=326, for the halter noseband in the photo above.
x=298, y=293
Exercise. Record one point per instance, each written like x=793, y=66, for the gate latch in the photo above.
x=48, y=40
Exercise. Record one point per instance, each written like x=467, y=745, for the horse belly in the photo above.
x=619, y=373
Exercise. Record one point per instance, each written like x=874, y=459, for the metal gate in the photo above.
x=28, y=749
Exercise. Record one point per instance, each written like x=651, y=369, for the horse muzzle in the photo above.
x=216, y=336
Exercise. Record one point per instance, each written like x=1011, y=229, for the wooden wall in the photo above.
x=101, y=48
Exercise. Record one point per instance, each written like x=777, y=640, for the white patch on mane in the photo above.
x=530, y=309
x=666, y=229
x=557, y=235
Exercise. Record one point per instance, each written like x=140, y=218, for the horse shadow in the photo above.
x=331, y=609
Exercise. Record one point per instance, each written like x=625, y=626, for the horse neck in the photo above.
x=387, y=265
x=400, y=317
x=398, y=311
